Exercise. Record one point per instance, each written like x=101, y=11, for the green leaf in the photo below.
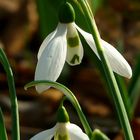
x=13, y=98
x=134, y=98
x=98, y=135
x=124, y=94
x=48, y=15
x=3, y=134
x=135, y=76
x=96, y=4
x=134, y=86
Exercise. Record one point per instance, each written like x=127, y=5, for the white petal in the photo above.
x=52, y=59
x=74, y=51
x=45, y=135
x=116, y=60
x=45, y=43
x=76, y=132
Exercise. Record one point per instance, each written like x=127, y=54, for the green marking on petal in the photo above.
x=63, y=137
x=59, y=137
x=73, y=41
x=75, y=58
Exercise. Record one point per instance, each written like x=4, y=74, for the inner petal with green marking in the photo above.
x=74, y=46
x=62, y=132
x=59, y=137
x=73, y=41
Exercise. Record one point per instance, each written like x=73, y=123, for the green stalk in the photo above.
x=71, y=98
x=3, y=134
x=111, y=81
x=13, y=98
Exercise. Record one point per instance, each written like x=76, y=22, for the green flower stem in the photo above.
x=111, y=81
x=13, y=98
x=72, y=99
x=3, y=134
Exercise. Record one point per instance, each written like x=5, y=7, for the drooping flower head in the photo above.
x=63, y=130
x=64, y=44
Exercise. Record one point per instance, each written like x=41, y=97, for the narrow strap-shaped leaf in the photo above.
x=134, y=97
x=3, y=134
x=13, y=98
x=135, y=77
x=124, y=94
x=134, y=87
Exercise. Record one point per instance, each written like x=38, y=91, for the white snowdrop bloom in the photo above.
x=64, y=44
x=62, y=131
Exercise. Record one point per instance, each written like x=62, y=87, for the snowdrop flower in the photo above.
x=64, y=44
x=63, y=130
